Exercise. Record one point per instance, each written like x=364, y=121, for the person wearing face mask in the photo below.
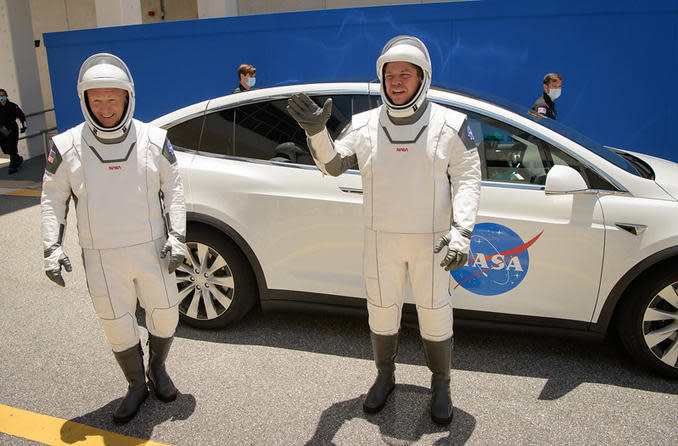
x=247, y=75
x=9, y=130
x=420, y=172
x=129, y=202
x=545, y=104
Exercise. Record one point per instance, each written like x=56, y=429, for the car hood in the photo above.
x=665, y=172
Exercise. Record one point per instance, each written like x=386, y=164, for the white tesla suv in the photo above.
x=570, y=234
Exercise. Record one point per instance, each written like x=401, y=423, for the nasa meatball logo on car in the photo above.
x=498, y=260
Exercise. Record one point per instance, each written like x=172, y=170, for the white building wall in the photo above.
x=118, y=12
x=217, y=8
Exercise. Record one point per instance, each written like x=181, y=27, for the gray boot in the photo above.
x=160, y=382
x=439, y=361
x=385, y=349
x=131, y=362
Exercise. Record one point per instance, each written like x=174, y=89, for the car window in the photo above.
x=266, y=131
x=187, y=134
x=512, y=155
x=217, y=135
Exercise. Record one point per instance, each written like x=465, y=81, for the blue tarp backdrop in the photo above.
x=618, y=58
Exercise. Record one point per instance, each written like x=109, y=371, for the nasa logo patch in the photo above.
x=498, y=260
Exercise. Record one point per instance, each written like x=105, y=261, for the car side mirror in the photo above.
x=564, y=180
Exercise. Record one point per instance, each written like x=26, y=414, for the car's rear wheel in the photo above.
x=216, y=284
x=648, y=321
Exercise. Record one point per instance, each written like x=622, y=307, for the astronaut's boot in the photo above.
x=439, y=361
x=385, y=349
x=159, y=380
x=131, y=362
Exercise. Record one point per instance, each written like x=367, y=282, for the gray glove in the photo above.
x=310, y=117
x=176, y=250
x=454, y=258
x=53, y=263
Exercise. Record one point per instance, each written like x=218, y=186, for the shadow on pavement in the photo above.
x=29, y=174
x=404, y=419
x=152, y=413
x=564, y=362
x=31, y=170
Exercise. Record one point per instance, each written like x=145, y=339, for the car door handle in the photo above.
x=351, y=190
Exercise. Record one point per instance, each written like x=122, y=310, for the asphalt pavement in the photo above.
x=298, y=378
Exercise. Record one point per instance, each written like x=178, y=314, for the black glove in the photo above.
x=177, y=252
x=453, y=259
x=310, y=117
x=55, y=274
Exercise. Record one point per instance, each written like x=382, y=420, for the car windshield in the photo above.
x=564, y=130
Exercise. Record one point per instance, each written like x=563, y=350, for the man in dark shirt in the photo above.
x=544, y=105
x=9, y=130
x=247, y=75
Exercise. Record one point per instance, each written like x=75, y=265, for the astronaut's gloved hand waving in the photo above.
x=53, y=263
x=176, y=250
x=458, y=242
x=310, y=117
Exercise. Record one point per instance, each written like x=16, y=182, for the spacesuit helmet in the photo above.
x=104, y=70
x=405, y=49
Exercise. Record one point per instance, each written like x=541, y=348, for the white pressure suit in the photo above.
x=129, y=202
x=421, y=186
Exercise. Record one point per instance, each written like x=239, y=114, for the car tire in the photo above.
x=216, y=284
x=647, y=322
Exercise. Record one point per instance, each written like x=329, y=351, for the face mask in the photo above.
x=3, y=99
x=554, y=93
x=251, y=81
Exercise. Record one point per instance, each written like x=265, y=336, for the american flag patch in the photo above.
x=470, y=134
x=50, y=157
x=169, y=147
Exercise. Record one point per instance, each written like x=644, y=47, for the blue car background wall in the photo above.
x=618, y=58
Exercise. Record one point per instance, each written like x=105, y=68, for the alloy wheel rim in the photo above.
x=660, y=325
x=205, y=283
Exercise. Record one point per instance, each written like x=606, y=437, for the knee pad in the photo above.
x=435, y=324
x=121, y=332
x=162, y=322
x=384, y=320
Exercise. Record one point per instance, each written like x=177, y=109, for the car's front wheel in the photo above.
x=648, y=321
x=216, y=284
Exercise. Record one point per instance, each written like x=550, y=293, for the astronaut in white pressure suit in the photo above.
x=421, y=187
x=123, y=177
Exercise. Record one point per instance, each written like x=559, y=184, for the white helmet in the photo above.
x=105, y=70
x=405, y=49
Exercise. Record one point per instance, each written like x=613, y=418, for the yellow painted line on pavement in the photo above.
x=56, y=431
x=25, y=192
